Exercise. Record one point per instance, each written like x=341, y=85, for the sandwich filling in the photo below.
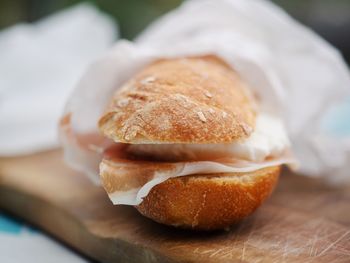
x=130, y=171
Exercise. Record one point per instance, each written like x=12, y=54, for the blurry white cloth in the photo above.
x=296, y=73
x=39, y=65
x=20, y=243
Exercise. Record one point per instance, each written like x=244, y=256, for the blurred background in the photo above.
x=331, y=19
x=28, y=51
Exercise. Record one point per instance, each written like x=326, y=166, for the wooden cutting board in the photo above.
x=304, y=221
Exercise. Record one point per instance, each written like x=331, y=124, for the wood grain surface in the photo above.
x=304, y=221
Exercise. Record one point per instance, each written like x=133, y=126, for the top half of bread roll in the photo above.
x=183, y=100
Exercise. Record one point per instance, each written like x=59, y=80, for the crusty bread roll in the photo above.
x=209, y=201
x=185, y=100
x=197, y=100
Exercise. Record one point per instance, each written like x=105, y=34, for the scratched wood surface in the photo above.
x=304, y=221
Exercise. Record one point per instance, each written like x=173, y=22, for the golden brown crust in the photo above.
x=209, y=202
x=183, y=100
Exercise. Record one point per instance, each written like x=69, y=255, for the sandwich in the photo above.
x=190, y=145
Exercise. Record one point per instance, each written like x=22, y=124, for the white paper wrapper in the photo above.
x=295, y=72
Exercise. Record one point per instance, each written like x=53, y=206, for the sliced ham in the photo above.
x=127, y=180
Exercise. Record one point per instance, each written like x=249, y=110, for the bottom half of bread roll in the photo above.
x=209, y=201
x=201, y=201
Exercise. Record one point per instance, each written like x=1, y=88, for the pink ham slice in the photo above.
x=127, y=179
